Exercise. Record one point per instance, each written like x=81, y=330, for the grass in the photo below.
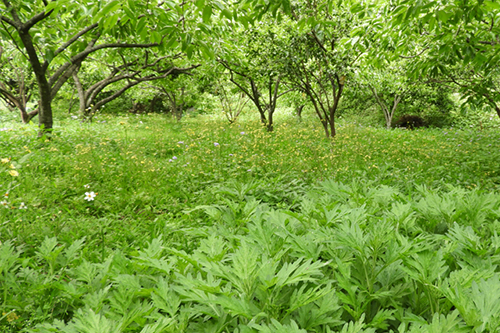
x=184, y=217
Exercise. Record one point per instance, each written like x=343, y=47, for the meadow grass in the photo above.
x=179, y=184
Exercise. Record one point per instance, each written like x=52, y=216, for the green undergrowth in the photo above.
x=205, y=227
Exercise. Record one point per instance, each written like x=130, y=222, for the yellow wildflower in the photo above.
x=13, y=173
x=11, y=316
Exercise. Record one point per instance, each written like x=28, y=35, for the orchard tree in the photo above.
x=319, y=55
x=123, y=72
x=449, y=42
x=250, y=57
x=232, y=101
x=388, y=87
x=55, y=37
x=16, y=83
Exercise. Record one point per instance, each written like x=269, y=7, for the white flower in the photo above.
x=89, y=196
x=4, y=203
x=216, y=144
x=86, y=186
x=23, y=206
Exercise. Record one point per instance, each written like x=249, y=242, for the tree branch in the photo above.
x=68, y=64
x=8, y=21
x=417, y=55
x=75, y=38
x=35, y=19
x=85, y=53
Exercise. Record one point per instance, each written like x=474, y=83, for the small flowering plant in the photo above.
x=89, y=196
x=8, y=168
x=4, y=204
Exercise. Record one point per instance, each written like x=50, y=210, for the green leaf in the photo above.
x=49, y=55
x=287, y=8
x=444, y=16
x=155, y=37
x=140, y=25
x=113, y=5
x=226, y=13
x=356, y=8
x=189, y=51
x=200, y=4
x=207, y=14
x=492, y=4
x=172, y=43
x=8, y=256
x=87, y=321
x=111, y=21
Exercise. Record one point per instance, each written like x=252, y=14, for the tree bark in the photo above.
x=81, y=94
x=333, y=131
x=45, y=120
x=299, y=110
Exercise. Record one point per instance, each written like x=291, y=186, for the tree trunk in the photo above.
x=325, y=127
x=81, y=95
x=397, y=99
x=45, y=121
x=299, y=110
x=333, y=132
x=270, y=125
x=178, y=112
x=262, y=113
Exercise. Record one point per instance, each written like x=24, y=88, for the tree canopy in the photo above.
x=315, y=48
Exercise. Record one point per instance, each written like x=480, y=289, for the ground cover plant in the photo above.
x=143, y=224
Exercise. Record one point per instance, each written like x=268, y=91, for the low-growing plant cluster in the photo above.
x=141, y=224
x=352, y=258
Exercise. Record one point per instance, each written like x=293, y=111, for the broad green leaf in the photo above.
x=207, y=14
x=49, y=55
x=113, y=5
x=226, y=13
x=200, y=4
